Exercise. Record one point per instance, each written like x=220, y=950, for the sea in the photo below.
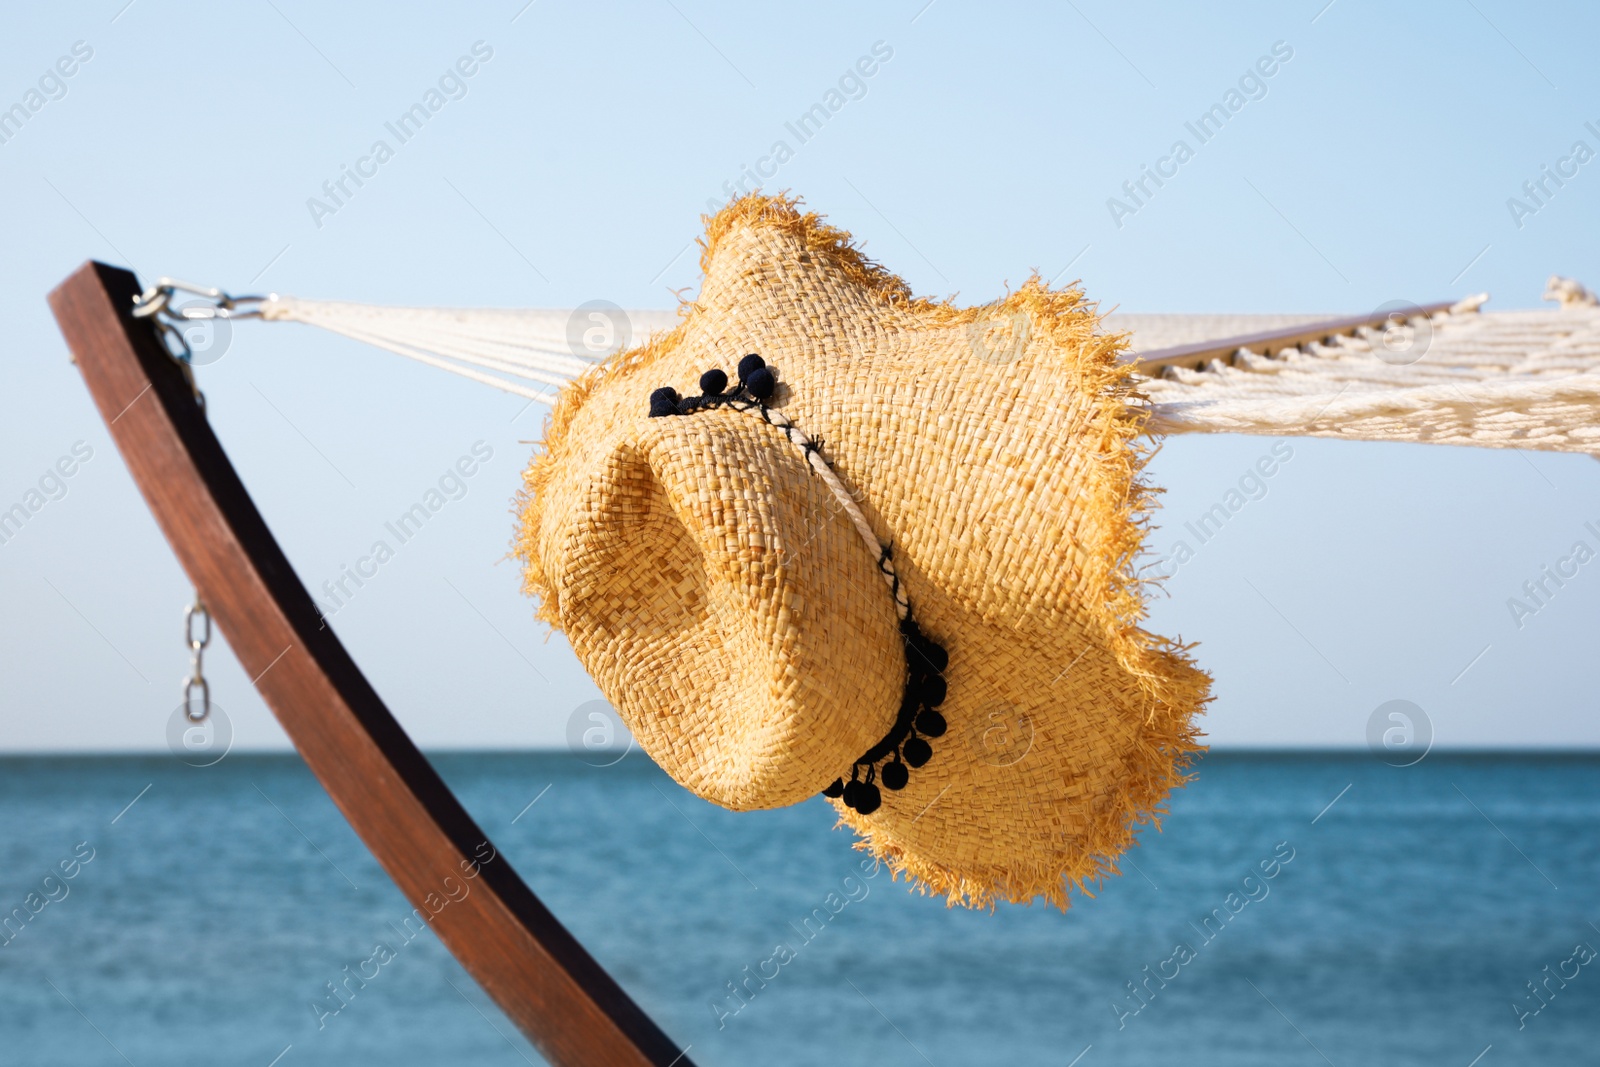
x=1293, y=909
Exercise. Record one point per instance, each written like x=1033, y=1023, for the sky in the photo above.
x=1383, y=159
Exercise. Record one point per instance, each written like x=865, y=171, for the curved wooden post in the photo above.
x=569, y=1007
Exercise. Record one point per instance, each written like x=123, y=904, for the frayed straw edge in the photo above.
x=1174, y=688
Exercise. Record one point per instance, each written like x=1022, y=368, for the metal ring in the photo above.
x=205, y=699
x=197, y=608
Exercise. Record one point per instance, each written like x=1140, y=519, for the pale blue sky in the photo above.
x=1375, y=164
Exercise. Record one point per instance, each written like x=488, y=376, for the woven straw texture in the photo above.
x=724, y=604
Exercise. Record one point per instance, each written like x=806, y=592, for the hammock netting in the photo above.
x=1463, y=376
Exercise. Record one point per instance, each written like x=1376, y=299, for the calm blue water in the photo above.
x=1405, y=926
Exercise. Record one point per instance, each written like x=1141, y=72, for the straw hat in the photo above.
x=889, y=560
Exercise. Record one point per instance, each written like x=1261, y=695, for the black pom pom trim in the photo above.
x=761, y=383
x=663, y=401
x=894, y=776
x=713, y=381
x=750, y=363
x=757, y=383
x=928, y=653
x=905, y=747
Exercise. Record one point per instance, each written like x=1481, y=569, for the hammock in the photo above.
x=528, y=353
x=1509, y=379
x=1446, y=374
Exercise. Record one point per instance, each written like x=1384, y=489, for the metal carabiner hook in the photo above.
x=158, y=299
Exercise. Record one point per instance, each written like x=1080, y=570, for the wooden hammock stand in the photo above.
x=542, y=978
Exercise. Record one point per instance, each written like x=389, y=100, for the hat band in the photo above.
x=905, y=745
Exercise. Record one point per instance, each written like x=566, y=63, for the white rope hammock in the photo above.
x=526, y=352
x=1510, y=379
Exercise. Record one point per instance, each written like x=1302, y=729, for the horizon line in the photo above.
x=561, y=750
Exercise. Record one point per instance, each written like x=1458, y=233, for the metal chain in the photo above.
x=197, y=649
